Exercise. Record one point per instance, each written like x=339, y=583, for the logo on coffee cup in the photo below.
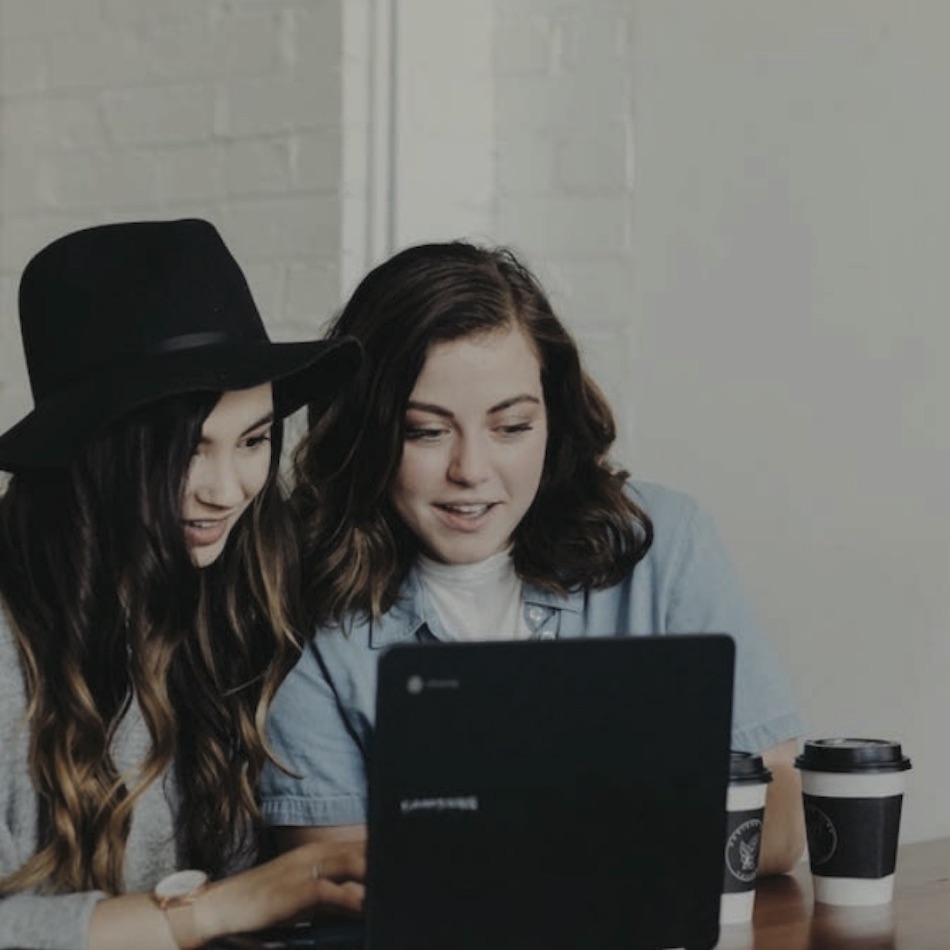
x=742, y=850
x=822, y=835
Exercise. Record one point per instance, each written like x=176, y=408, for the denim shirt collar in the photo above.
x=414, y=617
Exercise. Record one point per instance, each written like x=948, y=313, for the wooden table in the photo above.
x=787, y=918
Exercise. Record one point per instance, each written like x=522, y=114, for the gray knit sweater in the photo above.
x=30, y=920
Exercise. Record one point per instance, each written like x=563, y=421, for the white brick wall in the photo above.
x=445, y=107
x=564, y=169
x=227, y=109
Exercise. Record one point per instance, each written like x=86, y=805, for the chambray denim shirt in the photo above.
x=322, y=719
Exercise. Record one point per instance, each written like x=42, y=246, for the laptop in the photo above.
x=556, y=794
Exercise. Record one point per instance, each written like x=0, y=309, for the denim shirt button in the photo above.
x=535, y=614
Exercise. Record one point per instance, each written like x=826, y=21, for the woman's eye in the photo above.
x=422, y=434
x=254, y=441
x=515, y=428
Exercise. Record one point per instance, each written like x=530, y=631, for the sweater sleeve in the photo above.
x=38, y=922
x=28, y=921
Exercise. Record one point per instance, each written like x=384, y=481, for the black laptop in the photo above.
x=548, y=795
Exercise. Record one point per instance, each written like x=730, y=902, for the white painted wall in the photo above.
x=443, y=125
x=791, y=240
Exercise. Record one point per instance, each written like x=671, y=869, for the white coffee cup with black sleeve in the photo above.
x=852, y=791
x=745, y=806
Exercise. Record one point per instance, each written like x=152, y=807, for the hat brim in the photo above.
x=310, y=373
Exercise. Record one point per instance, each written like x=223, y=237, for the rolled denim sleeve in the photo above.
x=325, y=778
x=705, y=595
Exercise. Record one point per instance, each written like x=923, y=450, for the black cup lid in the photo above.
x=747, y=768
x=850, y=754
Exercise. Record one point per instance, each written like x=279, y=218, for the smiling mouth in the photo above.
x=468, y=511
x=200, y=532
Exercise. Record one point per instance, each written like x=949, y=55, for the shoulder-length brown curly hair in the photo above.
x=582, y=530
x=107, y=606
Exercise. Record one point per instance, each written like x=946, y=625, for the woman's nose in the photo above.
x=217, y=482
x=469, y=464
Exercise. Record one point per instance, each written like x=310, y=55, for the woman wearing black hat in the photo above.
x=146, y=573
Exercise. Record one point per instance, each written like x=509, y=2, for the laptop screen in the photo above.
x=557, y=794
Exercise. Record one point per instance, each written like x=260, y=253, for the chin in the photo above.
x=205, y=557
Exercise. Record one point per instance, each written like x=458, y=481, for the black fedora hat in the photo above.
x=117, y=316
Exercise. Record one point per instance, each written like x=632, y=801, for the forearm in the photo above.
x=137, y=920
x=287, y=837
x=783, y=831
x=326, y=875
x=132, y=920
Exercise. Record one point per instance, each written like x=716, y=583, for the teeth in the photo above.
x=468, y=509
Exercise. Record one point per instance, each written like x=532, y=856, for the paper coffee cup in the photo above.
x=852, y=791
x=745, y=804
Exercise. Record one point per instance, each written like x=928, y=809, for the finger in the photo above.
x=347, y=896
x=343, y=865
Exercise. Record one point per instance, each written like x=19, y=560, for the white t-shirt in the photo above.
x=480, y=601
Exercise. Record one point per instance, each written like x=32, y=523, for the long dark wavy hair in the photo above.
x=107, y=605
x=582, y=530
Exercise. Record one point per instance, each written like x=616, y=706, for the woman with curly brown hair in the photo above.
x=148, y=572
x=463, y=490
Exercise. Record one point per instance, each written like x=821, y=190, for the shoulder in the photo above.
x=359, y=633
x=673, y=513
x=12, y=690
x=659, y=501
x=330, y=649
x=9, y=653
x=686, y=540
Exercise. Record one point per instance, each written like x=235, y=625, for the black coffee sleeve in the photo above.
x=743, y=843
x=852, y=837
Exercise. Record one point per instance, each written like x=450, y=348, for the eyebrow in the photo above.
x=264, y=420
x=498, y=407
